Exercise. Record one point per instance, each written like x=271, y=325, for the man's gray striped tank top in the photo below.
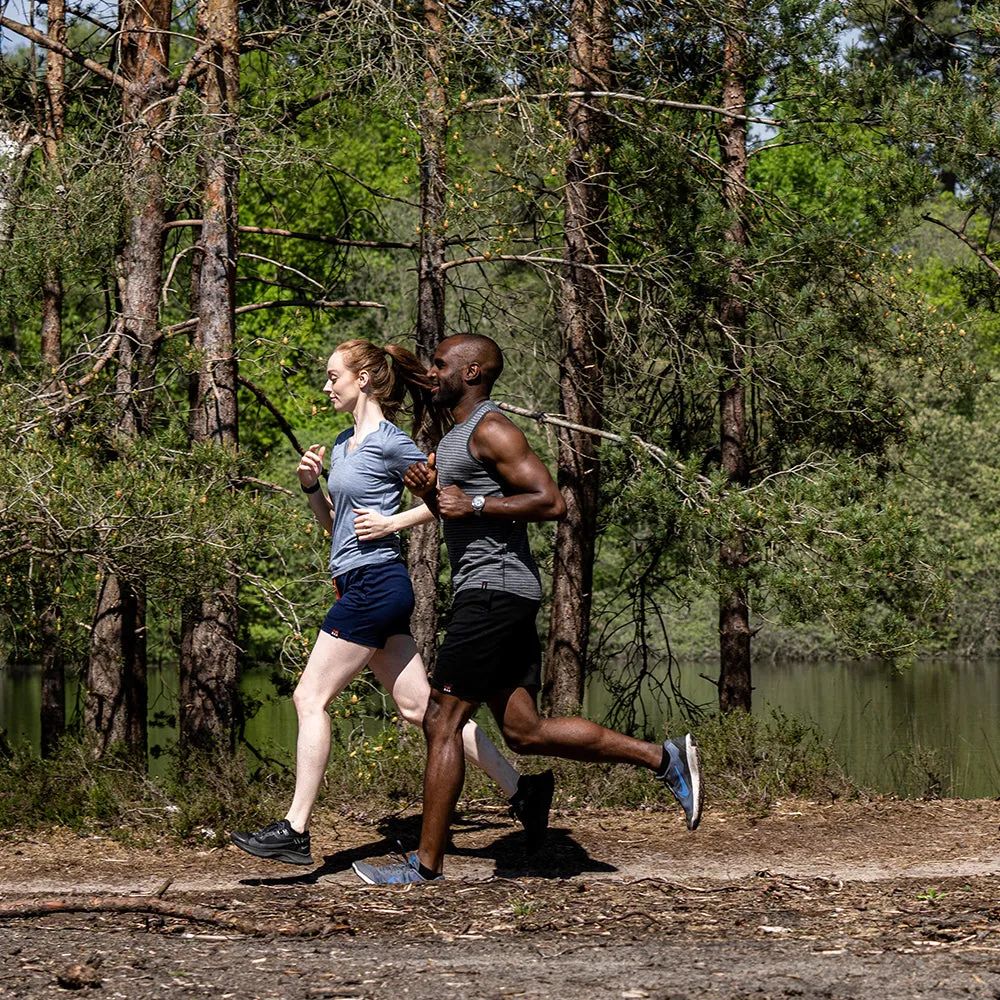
x=487, y=552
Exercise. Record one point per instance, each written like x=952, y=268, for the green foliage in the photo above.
x=755, y=761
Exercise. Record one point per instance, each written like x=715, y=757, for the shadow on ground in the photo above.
x=561, y=856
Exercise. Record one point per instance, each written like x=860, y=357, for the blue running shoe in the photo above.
x=399, y=874
x=681, y=773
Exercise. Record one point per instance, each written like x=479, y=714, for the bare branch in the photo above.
x=39, y=38
x=975, y=248
x=285, y=426
x=290, y=234
x=494, y=102
x=190, y=324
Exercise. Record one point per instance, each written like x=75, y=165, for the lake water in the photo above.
x=895, y=733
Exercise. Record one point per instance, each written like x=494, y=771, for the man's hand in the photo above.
x=421, y=478
x=370, y=525
x=453, y=502
x=311, y=465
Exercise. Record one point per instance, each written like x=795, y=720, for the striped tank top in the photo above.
x=485, y=552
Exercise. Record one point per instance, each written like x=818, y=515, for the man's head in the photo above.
x=465, y=365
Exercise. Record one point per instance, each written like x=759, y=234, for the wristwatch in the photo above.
x=478, y=503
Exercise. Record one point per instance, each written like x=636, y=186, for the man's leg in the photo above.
x=400, y=670
x=573, y=738
x=675, y=763
x=444, y=775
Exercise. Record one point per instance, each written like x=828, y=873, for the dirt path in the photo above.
x=860, y=900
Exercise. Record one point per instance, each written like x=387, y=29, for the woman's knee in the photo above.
x=412, y=712
x=308, y=702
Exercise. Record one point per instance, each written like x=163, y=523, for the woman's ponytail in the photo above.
x=392, y=373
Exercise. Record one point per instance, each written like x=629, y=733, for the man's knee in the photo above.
x=522, y=740
x=445, y=716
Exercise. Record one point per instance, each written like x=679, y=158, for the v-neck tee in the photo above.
x=369, y=477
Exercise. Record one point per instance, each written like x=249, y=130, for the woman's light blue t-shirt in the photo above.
x=370, y=477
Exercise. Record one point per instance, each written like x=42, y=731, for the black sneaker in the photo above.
x=530, y=804
x=277, y=841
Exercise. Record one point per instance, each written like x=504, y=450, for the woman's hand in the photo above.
x=311, y=465
x=370, y=525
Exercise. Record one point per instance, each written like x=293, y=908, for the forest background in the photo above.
x=740, y=257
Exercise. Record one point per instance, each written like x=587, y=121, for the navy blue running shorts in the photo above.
x=373, y=603
x=491, y=645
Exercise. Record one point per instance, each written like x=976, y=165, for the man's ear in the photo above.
x=473, y=373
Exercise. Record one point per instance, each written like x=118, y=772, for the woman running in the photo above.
x=370, y=623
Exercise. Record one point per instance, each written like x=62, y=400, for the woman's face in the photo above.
x=342, y=385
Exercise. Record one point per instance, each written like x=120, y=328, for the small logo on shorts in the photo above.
x=334, y=632
x=447, y=689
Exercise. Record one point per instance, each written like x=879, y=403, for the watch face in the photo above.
x=478, y=503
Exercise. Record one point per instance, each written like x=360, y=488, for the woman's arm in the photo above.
x=309, y=470
x=370, y=525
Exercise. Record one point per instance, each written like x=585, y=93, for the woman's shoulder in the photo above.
x=398, y=443
x=390, y=430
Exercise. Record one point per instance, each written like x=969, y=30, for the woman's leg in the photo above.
x=332, y=665
x=400, y=670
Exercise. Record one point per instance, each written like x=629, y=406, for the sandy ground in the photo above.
x=844, y=900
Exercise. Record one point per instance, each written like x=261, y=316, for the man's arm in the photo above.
x=421, y=480
x=499, y=443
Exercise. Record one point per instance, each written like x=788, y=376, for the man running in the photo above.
x=486, y=485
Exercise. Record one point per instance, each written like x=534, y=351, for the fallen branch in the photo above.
x=26, y=908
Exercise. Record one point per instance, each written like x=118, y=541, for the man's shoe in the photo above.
x=530, y=804
x=681, y=773
x=277, y=841
x=400, y=874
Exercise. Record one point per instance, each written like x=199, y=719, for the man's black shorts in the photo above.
x=490, y=645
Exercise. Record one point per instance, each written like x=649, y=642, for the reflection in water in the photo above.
x=901, y=733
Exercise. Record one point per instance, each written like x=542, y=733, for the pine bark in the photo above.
x=583, y=325
x=54, y=119
x=209, y=697
x=116, y=679
x=424, y=559
x=53, y=706
x=734, y=607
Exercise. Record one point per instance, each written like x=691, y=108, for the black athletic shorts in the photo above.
x=490, y=645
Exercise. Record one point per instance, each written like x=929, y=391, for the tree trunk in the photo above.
x=734, y=607
x=53, y=707
x=117, y=671
x=425, y=547
x=115, y=712
x=583, y=319
x=209, y=700
x=55, y=117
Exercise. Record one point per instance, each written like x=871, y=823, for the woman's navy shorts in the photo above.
x=373, y=603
